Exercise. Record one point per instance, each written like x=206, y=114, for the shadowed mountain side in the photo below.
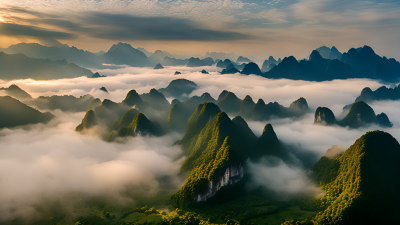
x=65, y=103
x=361, y=184
x=314, y=69
x=16, y=92
x=15, y=113
x=356, y=63
x=41, y=69
x=382, y=93
x=217, y=149
x=251, y=68
x=123, y=53
x=60, y=52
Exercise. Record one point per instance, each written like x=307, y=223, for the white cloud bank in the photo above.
x=48, y=160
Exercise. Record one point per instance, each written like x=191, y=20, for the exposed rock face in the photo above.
x=232, y=175
x=324, y=116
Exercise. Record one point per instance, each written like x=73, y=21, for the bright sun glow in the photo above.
x=2, y=20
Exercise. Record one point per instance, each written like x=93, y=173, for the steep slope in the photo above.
x=198, y=119
x=269, y=64
x=88, y=121
x=299, y=107
x=246, y=107
x=363, y=185
x=15, y=113
x=268, y=144
x=217, y=149
x=329, y=53
x=216, y=160
x=133, y=98
x=178, y=117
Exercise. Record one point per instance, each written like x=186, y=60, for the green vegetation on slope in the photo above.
x=365, y=189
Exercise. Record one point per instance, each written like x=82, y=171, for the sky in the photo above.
x=252, y=28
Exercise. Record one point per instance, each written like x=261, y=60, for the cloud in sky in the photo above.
x=127, y=27
x=12, y=29
x=282, y=28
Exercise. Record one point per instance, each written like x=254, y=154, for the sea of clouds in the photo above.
x=52, y=159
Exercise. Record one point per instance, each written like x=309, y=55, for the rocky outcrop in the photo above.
x=232, y=175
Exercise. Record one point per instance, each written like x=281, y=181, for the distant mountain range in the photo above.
x=19, y=66
x=356, y=63
x=118, y=54
x=382, y=93
x=323, y=64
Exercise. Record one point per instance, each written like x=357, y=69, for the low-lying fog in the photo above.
x=52, y=159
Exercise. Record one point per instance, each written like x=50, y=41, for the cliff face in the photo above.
x=232, y=175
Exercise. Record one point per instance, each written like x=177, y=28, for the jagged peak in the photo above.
x=260, y=102
x=248, y=99
x=315, y=56
x=208, y=107
x=360, y=105
x=132, y=98
x=366, y=90
x=222, y=95
x=367, y=49
x=108, y=103
x=229, y=95
x=269, y=131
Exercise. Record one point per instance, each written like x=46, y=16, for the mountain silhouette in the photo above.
x=125, y=54
x=15, y=113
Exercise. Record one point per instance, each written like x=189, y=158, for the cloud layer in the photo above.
x=61, y=161
x=53, y=161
